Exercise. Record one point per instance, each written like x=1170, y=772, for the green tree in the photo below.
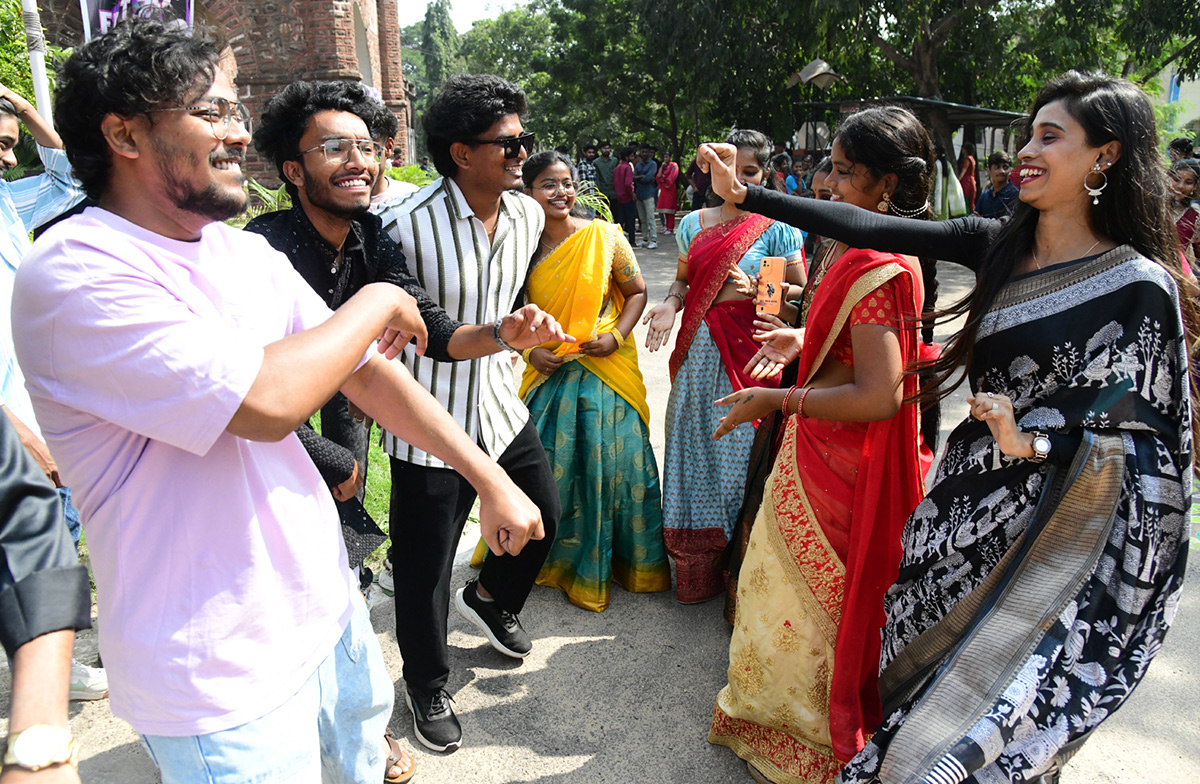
x=439, y=44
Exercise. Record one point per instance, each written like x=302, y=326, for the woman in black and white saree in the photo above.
x=1044, y=567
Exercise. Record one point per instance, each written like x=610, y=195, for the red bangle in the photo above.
x=786, y=397
x=800, y=404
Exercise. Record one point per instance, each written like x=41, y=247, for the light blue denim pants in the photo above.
x=330, y=731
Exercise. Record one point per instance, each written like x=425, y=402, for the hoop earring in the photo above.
x=1095, y=192
x=885, y=205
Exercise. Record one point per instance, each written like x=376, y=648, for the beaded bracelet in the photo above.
x=675, y=294
x=800, y=404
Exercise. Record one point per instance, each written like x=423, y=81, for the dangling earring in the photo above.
x=1095, y=192
x=886, y=204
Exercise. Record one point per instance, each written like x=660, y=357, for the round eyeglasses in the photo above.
x=552, y=188
x=219, y=112
x=338, y=150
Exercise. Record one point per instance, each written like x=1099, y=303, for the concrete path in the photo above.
x=626, y=695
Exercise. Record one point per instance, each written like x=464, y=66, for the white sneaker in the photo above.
x=652, y=246
x=386, y=584
x=641, y=244
x=88, y=683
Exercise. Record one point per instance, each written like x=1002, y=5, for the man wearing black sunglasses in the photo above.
x=468, y=238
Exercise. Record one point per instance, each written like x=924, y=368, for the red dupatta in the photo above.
x=888, y=487
x=712, y=254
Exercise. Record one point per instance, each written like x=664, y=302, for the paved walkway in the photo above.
x=626, y=695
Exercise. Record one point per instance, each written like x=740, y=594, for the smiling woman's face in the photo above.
x=1056, y=160
x=554, y=189
x=851, y=182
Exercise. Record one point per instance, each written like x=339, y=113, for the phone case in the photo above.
x=770, y=276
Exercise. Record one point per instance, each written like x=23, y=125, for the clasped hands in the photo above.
x=546, y=362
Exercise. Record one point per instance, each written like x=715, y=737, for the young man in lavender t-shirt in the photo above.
x=169, y=358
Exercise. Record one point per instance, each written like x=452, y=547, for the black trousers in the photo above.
x=429, y=507
x=626, y=215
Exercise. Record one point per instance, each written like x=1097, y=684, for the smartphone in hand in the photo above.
x=770, y=285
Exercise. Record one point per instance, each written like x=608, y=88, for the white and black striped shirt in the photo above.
x=446, y=248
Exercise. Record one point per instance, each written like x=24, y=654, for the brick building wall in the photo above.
x=278, y=42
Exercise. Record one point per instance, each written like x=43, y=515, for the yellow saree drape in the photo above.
x=592, y=417
x=574, y=284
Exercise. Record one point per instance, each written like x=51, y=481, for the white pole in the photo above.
x=35, y=42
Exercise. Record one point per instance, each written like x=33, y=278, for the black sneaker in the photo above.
x=503, y=629
x=434, y=722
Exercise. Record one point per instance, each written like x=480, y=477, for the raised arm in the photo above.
x=962, y=240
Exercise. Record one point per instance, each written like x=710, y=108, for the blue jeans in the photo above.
x=331, y=730
x=70, y=514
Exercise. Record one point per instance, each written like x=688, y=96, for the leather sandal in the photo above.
x=395, y=754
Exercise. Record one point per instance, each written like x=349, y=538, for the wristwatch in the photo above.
x=1041, y=447
x=499, y=340
x=40, y=746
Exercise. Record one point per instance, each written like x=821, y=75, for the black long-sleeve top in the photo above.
x=369, y=256
x=334, y=461
x=960, y=240
x=43, y=588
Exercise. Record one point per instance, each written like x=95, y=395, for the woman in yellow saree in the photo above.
x=588, y=400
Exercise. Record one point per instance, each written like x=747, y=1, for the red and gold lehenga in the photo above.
x=803, y=662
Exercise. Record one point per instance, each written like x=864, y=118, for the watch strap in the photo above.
x=1039, y=455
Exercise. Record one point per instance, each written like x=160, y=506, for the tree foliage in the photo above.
x=439, y=44
x=674, y=72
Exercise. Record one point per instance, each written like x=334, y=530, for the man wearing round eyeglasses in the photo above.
x=317, y=135
x=169, y=358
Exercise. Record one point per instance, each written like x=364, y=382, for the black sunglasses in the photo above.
x=512, y=145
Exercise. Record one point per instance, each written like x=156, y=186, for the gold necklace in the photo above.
x=1037, y=264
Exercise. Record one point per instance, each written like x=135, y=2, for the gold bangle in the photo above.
x=525, y=354
x=616, y=333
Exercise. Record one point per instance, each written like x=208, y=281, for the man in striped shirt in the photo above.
x=467, y=238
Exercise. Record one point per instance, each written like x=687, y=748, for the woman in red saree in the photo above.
x=719, y=250
x=804, y=658
x=668, y=194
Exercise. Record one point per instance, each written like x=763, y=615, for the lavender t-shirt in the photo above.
x=220, y=569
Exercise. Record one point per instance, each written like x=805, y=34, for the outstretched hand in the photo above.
x=746, y=405
x=720, y=160
x=661, y=320
x=780, y=347
x=531, y=326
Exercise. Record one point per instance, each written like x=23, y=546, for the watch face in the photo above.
x=1041, y=445
x=40, y=746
